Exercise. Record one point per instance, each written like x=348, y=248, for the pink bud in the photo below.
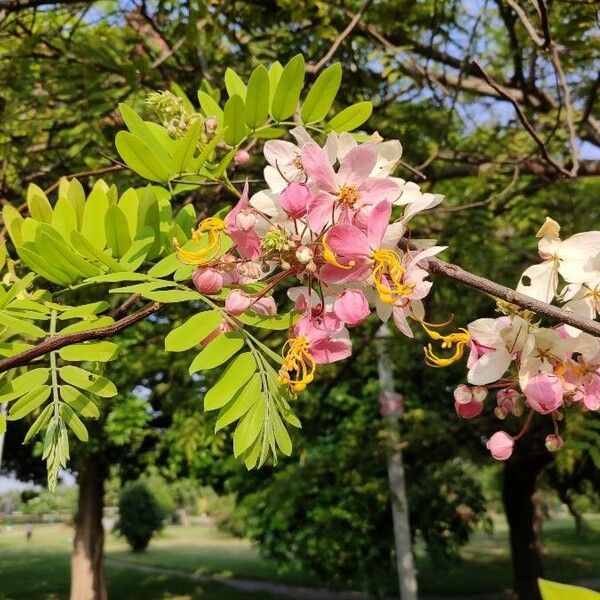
x=264, y=306
x=351, y=307
x=241, y=158
x=544, y=393
x=554, y=442
x=207, y=280
x=245, y=220
x=237, y=302
x=294, y=199
x=304, y=254
x=501, y=445
x=468, y=402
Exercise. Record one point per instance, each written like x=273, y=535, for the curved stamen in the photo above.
x=299, y=366
x=387, y=275
x=457, y=340
x=213, y=226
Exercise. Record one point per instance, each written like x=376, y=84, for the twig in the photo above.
x=531, y=30
x=315, y=68
x=56, y=342
x=524, y=121
x=117, y=167
x=558, y=315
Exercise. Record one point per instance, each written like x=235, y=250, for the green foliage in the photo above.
x=141, y=515
x=559, y=591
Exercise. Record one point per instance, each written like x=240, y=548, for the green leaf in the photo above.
x=240, y=404
x=92, y=252
x=74, y=422
x=139, y=157
x=151, y=134
x=257, y=98
x=237, y=373
x=80, y=402
x=321, y=94
x=139, y=249
x=15, y=289
x=282, y=437
x=352, y=117
x=38, y=204
x=13, y=221
x=559, y=591
x=39, y=423
x=248, y=429
x=93, y=351
x=20, y=325
x=234, y=84
x=85, y=380
x=118, y=277
x=84, y=310
x=218, y=351
x=92, y=227
x=186, y=147
x=206, y=152
x=270, y=133
x=193, y=331
x=176, y=89
x=23, y=383
x=2, y=424
x=277, y=322
x=288, y=89
x=234, y=120
x=29, y=402
x=64, y=218
x=275, y=71
x=168, y=296
x=210, y=107
x=50, y=272
x=55, y=251
x=117, y=231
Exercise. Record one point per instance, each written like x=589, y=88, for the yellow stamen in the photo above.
x=349, y=195
x=213, y=226
x=329, y=257
x=299, y=366
x=459, y=339
x=387, y=274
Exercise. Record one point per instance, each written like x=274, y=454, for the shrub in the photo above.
x=140, y=515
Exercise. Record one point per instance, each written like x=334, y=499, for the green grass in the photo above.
x=485, y=561
x=40, y=570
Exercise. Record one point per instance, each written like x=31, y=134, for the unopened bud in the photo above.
x=304, y=254
x=554, y=442
x=241, y=158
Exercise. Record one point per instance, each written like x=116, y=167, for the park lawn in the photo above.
x=40, y=570
x=485, y=561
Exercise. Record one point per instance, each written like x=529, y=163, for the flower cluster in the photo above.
x=326, y=223
x=531, y=367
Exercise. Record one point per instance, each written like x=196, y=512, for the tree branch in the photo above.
x=558, y=315
x=56, y=342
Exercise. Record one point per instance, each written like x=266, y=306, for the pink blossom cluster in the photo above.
x=539, y=369
x=328, y=225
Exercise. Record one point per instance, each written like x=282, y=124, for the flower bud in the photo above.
x=544, y=393
x=207, y=280
x=265, y=306
x=237, y=302
x=241, y=158
x=468, y=401
x=554, y=442
x=304, y=255
x=351, y=307
x=501, y=445
x=294, y=199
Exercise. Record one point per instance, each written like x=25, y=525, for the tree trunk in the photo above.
x=391, y=408
x=519, y=483
x=87, y=561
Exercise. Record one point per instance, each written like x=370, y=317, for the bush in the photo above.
x=140, y=515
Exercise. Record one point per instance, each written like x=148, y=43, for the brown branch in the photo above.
x=524, y=121
x=56, y=342
x=316, y=67
x=93, y=172
x=531, y=30
x=558, y=315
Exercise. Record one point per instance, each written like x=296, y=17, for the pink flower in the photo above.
x=589, y=393
x=241, y=158
x=351, y=307
x=501, y=445
x=468, y=401
x=349, y=251
x=554, y=442
x=544, y=393
x=324, y=346
x=294, y=199
x=508, y=403
x=207, y=280
x=345, y=192
x=247, y=241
